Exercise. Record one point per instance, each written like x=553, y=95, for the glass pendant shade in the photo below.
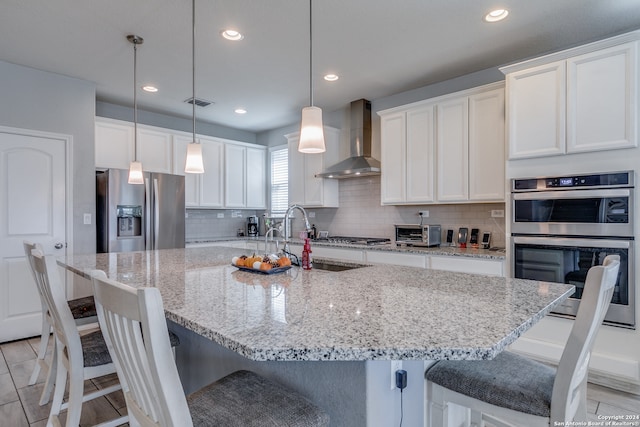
x=311, y=131
x=194, y=162
x=135, y=173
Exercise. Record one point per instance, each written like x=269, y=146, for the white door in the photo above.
x=32, y=201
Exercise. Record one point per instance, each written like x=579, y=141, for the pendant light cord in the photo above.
x=135, y=100
x=193, y=65
x=311, y=52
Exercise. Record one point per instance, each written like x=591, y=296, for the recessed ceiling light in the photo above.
x=331, y=77
x=240, y=111
x=496, y=15
x=232, y=35
x=149, y=88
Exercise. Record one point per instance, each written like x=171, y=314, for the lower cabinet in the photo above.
x=467, y=265
x=395, y=258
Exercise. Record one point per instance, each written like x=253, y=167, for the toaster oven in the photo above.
x=418, y=235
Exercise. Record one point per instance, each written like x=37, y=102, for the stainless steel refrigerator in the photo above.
x=133, y=217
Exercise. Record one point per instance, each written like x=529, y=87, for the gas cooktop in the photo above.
x=355, y=240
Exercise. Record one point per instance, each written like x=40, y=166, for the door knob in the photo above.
x=58, y=245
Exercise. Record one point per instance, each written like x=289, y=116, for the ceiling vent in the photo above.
x=199, y=102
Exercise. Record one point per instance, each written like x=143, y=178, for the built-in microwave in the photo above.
x=418, y=235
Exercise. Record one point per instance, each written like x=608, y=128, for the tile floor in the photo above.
x=19, y=401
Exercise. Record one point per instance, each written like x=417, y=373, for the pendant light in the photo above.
x=135, y=168
x=193, y=163
x=311, y=131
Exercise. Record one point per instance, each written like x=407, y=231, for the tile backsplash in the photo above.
x=360, y=214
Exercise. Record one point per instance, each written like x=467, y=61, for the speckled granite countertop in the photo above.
x=374, y=312
x=390, y=247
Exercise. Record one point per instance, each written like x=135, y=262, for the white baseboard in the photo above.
x=604, y=369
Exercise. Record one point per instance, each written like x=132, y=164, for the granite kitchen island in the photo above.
x=329, y=335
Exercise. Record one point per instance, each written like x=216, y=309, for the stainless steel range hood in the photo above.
x=360, y=163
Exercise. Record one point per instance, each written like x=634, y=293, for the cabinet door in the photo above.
x=296, y=173
x=420, y=155
x=393, y=155
x=211, y=181
x=256, y=178
x=304, y=188
x=452, y=148
x=235, y=175
x=113, y=144
x=191, y=180
x=486, y=146
x=601, y=99
x=154, y=149
x=536, y=113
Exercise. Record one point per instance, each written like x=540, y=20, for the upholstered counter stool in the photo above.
x=514, y=390
x=134, y=327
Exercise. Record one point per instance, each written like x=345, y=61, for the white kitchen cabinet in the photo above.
x=601, y=95
x=155, y=149
x=256, y=178
x=461, y=155
x=355, y=255
x=453, y=149
x=486, y=146
x=235, y=176
x=536, y=111
x=305, y=188
x=467, y=265
x=113, y=144
x=396, y=258
x=245, y=177
x=579, y=100
x=407, y=156
x=191, y=180
x=211, y=188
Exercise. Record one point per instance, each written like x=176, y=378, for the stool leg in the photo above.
x=51, y=375
x=42, y=349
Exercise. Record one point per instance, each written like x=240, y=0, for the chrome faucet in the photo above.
x=271, y=230
x=287, y=225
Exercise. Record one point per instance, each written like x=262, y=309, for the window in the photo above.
x=279, y=181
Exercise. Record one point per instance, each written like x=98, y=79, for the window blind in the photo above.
x=279, y=181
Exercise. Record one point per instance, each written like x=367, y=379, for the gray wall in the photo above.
x=37, y=100
x=119, y=112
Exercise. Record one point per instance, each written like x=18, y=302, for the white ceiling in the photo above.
x=378, y=47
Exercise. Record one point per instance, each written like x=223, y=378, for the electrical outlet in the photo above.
x=423, y=214
x=497, y=213
x=311, y=214
x=220, y=214
x=87, y=219
x=395, y=366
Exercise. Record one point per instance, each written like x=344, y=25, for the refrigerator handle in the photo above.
x=147, y=220
x=156, y=214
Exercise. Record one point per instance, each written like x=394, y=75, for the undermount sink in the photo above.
x=334, y=266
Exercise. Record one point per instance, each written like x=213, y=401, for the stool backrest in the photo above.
x=135, y=330
x=53, y=293
x=571, y=379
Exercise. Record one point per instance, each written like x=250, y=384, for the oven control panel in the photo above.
x=605, y=180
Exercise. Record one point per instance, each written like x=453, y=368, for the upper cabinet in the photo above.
x=305, y=189
x=579, y=100
x=235, y=172
x=115, y=144
x=245, y=172
x=445, y=150
x=407, y=156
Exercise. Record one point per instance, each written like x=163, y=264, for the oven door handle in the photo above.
x=572, y=194
x=573, y=242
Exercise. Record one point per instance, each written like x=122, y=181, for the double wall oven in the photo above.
x=561, y=226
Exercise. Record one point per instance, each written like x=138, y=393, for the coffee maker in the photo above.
x=252, y=226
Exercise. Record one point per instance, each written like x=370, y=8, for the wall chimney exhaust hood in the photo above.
x=360, y=163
